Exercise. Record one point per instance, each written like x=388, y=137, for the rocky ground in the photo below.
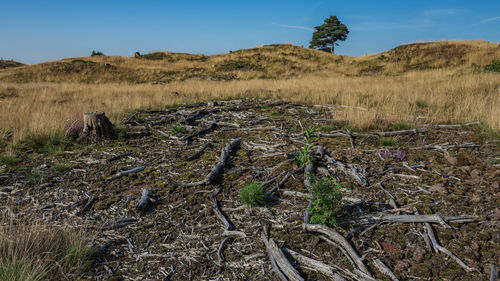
x=446, y=170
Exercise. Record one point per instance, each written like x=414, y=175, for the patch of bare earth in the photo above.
x=448, y=172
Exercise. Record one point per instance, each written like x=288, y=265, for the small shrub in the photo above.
x=96, y=53
x=303, y=158
x=328, y=200
x=421, y=104
x=62, y=167
x=9, y=160
x=253, y=195
x=275, y=113
x=33, y=178
x=494, y=66
x=177, y=129
x=80, y=61
x=120, y=132
x=401, y=126
x=155, y=56
x=388, y=141
x=48, y=143
x=9, y=93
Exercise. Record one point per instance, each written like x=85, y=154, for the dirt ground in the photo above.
x=180, y=236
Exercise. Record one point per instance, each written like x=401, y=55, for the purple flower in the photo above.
x=399, y=155
x=385, y=153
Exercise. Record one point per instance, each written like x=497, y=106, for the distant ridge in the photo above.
x=278, y=61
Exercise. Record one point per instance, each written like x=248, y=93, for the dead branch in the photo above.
x=341, y=241
x=453, y=126
x=318, y=266
x=283, y=266
x=199, y=152
x=228, y=226
x=445, y=146
x=283, y=181
x=126, y=173
x=193, y=117
x=384, y=269
x=494, y=273
x=443, y=250
x=200, y=133
x=118, y=223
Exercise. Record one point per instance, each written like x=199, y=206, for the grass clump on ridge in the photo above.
x=9, y=160
x=253, y=195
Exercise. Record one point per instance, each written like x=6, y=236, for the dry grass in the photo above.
x=440, y=84
x=30, y=252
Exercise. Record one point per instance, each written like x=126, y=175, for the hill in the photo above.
x=280, y=61
x=9, y=63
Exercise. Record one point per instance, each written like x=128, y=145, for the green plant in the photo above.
x=96, y=53
x=9, y=160
x=253, y=195
x=275, y=113
x=386, y=141
x=401, y=126
x=48, y=143
x=62, y=167
x=328, y=198
x=326, y=35
x=34, y=177
x=120, y=132
x=177, y=129
x=494, y=66
x=326, y=128
x=303, y=158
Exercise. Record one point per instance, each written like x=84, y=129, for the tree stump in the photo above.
x=96, y=126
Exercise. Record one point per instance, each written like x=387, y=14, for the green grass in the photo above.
x=494, y=66
x=401, y=126
x=350, y=128
x=48, y=144
x=328, y=200
x=386, y=141
x=253, y=195
x=178, y=129
x=326, y=128
x=33, y=178
x=120, y=132
x=62, y=167
x=275, y=113
x=9, y=160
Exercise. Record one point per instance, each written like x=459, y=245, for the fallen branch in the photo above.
x=118, y=223
x=199, y=152
x=284, y=180
x=318, y=266
x=444, y=146
x=443, y=250
x=201, y=132
x=281, y=265
x=126, y=173
x=212, y=176
x=434, y=218
x=228, y=226
x=342, y=243
x=384, y=269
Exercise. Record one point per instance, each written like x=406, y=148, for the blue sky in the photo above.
x=37, y=31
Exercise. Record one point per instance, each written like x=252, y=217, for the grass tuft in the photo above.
x=386, y=141
x=33, y=252
x=253, y=195
x=401, y=126
x=9, y=160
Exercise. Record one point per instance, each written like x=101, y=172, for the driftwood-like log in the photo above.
x=126, y=173
x=444, y=146
x=193, y=117
x=494, y=273
x=199, y=152
x=384, y=269
x=212, y=176
x=145, y=202
x=341, y=241
x=318, y=266
x=96, y=126
x=453, y=126
x=438, y=248
x=344, y=133
x=201, y=132
x=118, y=223
x=88, y=204
x=281, y=265
x=434, y=218
x=228, y=226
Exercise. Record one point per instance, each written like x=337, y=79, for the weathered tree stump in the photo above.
x=96, y=126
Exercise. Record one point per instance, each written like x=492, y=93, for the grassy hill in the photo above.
x=266, y=62
x=456, y=81
x=9, y=63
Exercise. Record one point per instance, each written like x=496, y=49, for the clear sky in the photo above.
x=37, y=31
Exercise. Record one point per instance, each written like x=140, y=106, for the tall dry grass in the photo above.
x=30, y=251
x=434, y=95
